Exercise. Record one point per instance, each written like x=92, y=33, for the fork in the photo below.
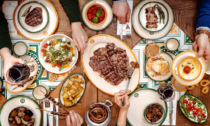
x=47, y=105
x=129, y=74
x=128, y=30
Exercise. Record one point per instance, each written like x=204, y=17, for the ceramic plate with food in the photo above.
x=145, y=33
x=35, y=20
x=72, y=90
x=57, y=53
x=106, y=61
x=33, y=16
x=135, y=115
x=189, y=68
x=195, y=72
x=153, y=16
x=97, y=14
x=32, y=64
x=158, y=68
x=20, y=110
x=193, y=108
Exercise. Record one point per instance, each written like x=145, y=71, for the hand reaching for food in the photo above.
x=74, y=119
x=123, y=109
x=79, y=36
x=9, y=61
x=122, y=11
x=202, y=46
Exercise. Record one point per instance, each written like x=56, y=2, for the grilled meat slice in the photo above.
x=34, y=17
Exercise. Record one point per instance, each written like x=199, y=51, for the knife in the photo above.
x=54, y=116
x=170, y=111
x=121, y=32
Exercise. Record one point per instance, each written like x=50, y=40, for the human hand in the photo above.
x=9, y=61
x=79, y=36
x=74, y=119
x=202, y=46
x=122, y=11
x=122, y=95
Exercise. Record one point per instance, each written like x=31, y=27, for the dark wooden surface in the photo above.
x=185, y=12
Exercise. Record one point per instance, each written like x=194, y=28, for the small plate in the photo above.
x=146, y=34
x=197, y=99
x=139, y=99
x=175, y=66
x=169, y=59
x=96, y=42
x=48, y=66
x=108, y=14
x=18, y=89
x=66, y=82
x=18, y=101
x=32, y=5
x=142, y=17
x=47, y=31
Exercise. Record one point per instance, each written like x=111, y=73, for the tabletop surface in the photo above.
x=185, y=12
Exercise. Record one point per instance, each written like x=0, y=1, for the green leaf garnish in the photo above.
x=98, y=13
x=95, y=20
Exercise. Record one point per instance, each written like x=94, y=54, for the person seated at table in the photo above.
x=6, y=45
x=74, y=119
x=201, y=44
x=121, y=121
x=79, y=36
x=121, y=10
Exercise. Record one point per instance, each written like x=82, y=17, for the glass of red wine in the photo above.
x=166, y=92
x=18, y=73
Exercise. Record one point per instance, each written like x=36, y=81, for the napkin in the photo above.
x=50, y=115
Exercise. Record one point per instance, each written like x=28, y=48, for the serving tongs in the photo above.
x=129, y=75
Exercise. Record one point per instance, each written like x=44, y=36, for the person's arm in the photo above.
x=201, y=44
x=121, y=121
x=5, y=41
x=79, y=36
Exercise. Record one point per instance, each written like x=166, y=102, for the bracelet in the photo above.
x=203, y=31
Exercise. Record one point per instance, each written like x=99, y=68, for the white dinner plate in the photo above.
x=169, y=59
x=176, y=61
x=143, y=21
x=108, y=14
x=45, y=31
x=22, y=16
x=20, y=101
x=96, y=42
x=48, y=66
x=146, y=34
x=139, y=100
x=18, y=89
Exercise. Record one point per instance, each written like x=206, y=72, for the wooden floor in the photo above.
x=185, y=12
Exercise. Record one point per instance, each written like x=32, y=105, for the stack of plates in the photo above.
x=198, y=77
x=139, y=20
x=49, y=19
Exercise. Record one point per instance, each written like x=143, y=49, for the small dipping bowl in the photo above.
x=152, y=50
x=40, y=91
x=145, y=117
x=172, y=44
x=20, y=48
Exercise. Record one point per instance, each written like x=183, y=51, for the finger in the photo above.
x=73, y=119
x=200, y=52
x=128, y=15
x=123, y=19
x=80, y=42
x=76, y=118
x=195, y=47
x=68, y=121
x=127, y=100
x=80, y=120
x=20, y=61
x=76, y=43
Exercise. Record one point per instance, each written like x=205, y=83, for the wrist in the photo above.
x=123, y=112
x=76, y=25
x=203, y=32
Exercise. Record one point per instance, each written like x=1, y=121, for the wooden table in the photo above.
x=185, y=12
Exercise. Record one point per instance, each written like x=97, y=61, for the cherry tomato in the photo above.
x=45, y=45
x=200, y=119
x=89, y=16
x=185, y=101
x=47, y=59
x=94, y=11
x=44, y=54
x=102, y=14
x=43, y=50
x=65, y=46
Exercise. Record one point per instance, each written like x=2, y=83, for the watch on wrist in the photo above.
x=203, y=31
